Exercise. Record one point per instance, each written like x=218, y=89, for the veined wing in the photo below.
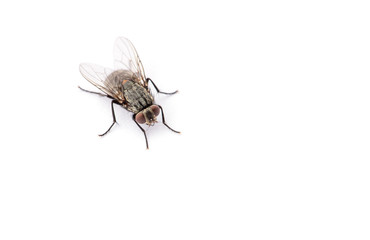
x=103, y=78
x=126, y=58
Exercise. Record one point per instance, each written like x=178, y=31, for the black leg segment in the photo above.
x=98, y=93
x=164, y=121
x=156, y=88
x=142, y=129
x=114, y=118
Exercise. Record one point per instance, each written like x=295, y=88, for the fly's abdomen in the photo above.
x=136, y=96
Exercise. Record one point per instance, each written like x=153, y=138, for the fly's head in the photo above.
x=148, y=115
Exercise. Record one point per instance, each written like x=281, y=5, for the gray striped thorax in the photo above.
x=136, y=96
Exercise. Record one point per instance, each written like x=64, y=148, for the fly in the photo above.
x=126, y=85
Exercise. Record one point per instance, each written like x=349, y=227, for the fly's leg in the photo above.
x=142, y=129
x=156, y=88
x=114, y=118
x=164, y=121
x=98, y=93
x=113, y=101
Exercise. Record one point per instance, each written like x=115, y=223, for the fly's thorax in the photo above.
x=137, y=97
x=148, y=115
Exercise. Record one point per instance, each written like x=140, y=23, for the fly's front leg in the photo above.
x=156, y=88
x=142, y=129
x=164, y=121
x=114, y=118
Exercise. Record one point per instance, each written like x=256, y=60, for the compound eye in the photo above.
x=155, y=109
x=140, y=118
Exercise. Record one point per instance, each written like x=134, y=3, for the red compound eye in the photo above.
x=155, y=109
x=140, y=118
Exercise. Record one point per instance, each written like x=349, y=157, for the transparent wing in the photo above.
x=126, y=58
x=104, y=79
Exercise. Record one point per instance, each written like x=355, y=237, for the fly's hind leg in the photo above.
x=156, y=88
x=98, y=93
x=164, y=121
x=114, y=118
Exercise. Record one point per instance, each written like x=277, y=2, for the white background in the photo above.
x=273, y=107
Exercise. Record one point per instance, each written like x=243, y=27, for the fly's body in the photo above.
x=126, y=85
x=137, y=97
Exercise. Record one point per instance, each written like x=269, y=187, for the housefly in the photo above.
x=126, y=85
